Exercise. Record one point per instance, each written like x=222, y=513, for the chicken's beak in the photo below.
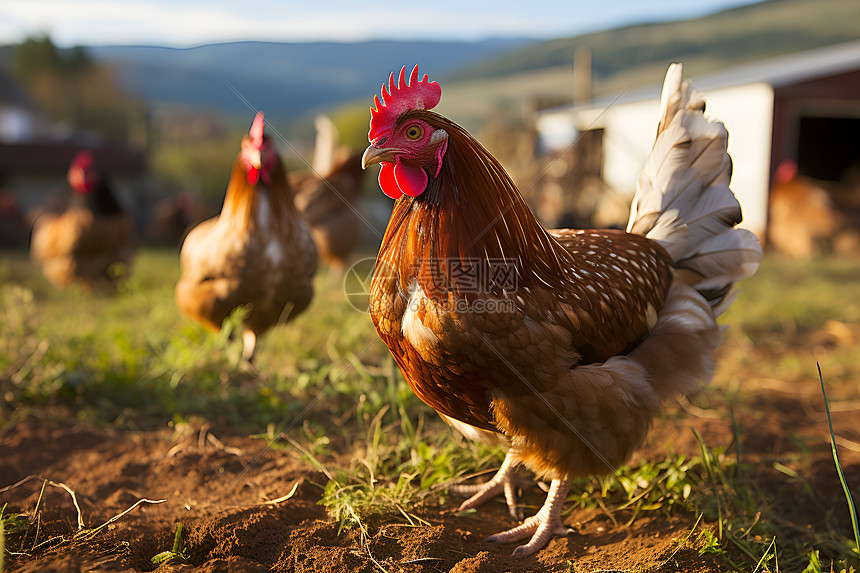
x=377, y=155
x=254, y=158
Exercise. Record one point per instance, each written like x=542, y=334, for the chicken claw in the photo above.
x=542, y=526
x=506, y=480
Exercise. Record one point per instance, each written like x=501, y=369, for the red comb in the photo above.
x=400, y=97
x=82, y=174
x=258, y=155
x=256, y=132
x=83, y=159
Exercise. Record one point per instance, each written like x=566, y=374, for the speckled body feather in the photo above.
x=580, y=298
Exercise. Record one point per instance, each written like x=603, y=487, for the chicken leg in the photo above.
x=542, y=526
x=506, y=480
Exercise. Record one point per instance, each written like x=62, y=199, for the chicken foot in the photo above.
x=507, y=480
x=542, y=526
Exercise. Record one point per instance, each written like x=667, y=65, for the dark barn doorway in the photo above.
x=828, y=146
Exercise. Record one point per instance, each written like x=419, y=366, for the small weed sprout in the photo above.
x=178, y=554
x=10, y=524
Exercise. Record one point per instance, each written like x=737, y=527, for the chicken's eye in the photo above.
x=414, y=132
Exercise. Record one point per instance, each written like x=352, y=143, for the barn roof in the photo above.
x=51, y=158
x=789, y=69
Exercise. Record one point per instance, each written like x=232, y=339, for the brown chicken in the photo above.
x=258, y=253
x=327, y=197
x=801, y=213
x=561, y=344
x=91, y=241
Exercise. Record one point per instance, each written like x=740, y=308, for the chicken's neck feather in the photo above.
x=242, y=202
x=471, y=214
x=100, y=200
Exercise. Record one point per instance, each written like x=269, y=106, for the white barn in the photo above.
x=804, y=107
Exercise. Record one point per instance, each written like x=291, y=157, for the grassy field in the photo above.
x=326, y=386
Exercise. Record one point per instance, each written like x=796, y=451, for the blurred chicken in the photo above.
x=258, y=253
x=173, y=217
x=561, y=344
x=801, y=212
x=91, y=240
x=328, y=194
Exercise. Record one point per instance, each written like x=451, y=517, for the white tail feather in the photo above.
x=683, y=200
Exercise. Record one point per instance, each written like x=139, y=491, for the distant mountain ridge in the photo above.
x=282, y=78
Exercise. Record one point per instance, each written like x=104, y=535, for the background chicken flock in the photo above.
x=567, y=364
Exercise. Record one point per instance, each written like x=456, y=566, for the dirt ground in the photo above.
x=225, y=488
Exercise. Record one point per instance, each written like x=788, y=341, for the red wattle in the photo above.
x=387, y=182
x=253, y=175
x=84, y=187
x=411, y=179
x=400, y=178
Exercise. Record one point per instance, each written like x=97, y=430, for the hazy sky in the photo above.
x=191, y=22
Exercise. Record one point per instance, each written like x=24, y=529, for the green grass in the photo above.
x=391, y=477
x=796, y=296
x=132, y=361
x=10, y=524
x=132, y=358
x=855, y=550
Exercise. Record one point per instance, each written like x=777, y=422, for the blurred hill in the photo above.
x=633, y=57
x=285, y=79
x=494, y=78
x=718, y=40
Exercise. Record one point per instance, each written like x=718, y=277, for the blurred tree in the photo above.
x=34, y=56
x=352, y=125
x=74, y=90
x=200, y=169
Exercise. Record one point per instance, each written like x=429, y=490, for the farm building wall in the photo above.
x=630, y=129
